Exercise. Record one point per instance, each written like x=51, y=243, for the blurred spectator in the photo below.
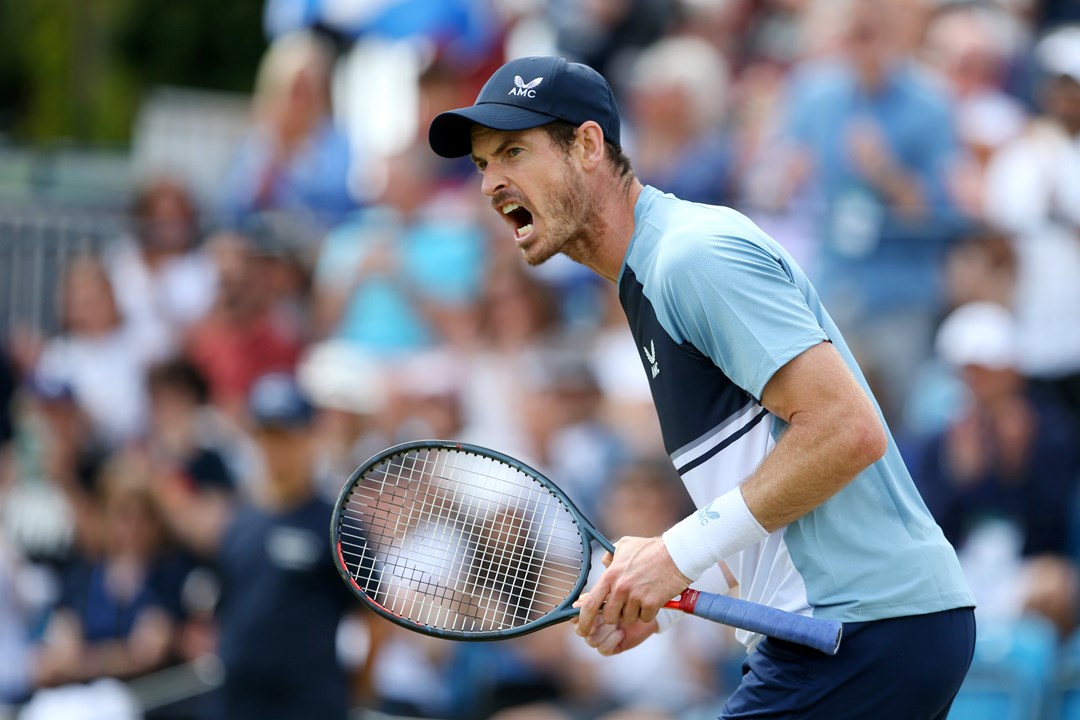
x=15, y=659
x=875, y=140
x=461, y=28
x=406, y=271
x=281, y=598
x=981, y=266
x=1033, y=191
x=162, y=280
x=117, y=615
x=178, y=446
x=971, y=46
x=646, y=496
x=517, y=312
x=419, y=676
x=50, y=508
x=242, y=337
x=678, y=95
x=354, y=419
x=101, y=699
x=428, y=396
x=1052, y=13
x=565, y=436
x=98, y=355
x=605, y=34
x=1002, y=478
x=14, y=630
x=9, y=381
x=287, y=272
x=294, y=159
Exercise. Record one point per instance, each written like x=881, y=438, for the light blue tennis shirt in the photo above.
x=717, y=307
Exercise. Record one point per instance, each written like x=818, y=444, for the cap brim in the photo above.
x=450, y=134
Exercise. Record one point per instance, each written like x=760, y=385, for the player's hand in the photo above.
x=639, y=579
x=614, y=639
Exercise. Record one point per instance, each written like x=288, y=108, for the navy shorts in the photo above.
x=906, y=668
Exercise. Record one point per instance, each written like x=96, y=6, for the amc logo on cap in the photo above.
x=525, y=89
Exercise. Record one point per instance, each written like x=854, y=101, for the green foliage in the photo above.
x=213, y=44
x=76, y=69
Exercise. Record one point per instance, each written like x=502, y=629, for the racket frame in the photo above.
x=562, y=612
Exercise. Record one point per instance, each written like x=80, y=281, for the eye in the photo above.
x=514, y=152
x=481, y=166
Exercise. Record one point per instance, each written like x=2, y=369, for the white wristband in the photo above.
x=715, y=532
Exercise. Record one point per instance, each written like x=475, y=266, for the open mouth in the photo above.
x=519, y=218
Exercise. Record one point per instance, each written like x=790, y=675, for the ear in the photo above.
x=590, y=145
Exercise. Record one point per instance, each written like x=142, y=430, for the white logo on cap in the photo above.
x=522, y=88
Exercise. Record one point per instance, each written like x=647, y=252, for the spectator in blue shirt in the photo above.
x=118, y=610
x=294, y=159
x=874, y=141
x=282, y=600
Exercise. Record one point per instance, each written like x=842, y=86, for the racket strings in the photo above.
x=460, y=542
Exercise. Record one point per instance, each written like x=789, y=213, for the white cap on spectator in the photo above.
x=337, y=375
x=979, y=333
x=1059, y=52
x=431, y=374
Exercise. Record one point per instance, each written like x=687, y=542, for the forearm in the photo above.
x=833, y=433
x=903, y=191
x=144, y=650
x=810, y=463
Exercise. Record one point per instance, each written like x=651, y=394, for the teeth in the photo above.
x=524, y=230
x=507, y=209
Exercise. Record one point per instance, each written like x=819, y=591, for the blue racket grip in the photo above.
x=823, y=635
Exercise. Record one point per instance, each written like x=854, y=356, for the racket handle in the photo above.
x=823, y=635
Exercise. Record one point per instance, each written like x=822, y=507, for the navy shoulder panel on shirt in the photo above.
x=692, y=395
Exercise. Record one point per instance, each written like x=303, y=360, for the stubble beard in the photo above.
x=568, y=224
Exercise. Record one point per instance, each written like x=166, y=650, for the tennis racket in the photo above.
x=465, y=543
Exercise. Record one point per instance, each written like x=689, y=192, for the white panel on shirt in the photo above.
x=764, y=571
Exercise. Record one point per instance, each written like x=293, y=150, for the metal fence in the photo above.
x=35, y=244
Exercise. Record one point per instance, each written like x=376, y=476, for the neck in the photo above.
x=285, y=493
x=610, y=231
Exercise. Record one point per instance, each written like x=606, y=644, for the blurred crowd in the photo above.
x=169, y=459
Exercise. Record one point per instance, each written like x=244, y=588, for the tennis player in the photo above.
x=803, y=498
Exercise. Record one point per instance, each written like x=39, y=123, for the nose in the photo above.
x=492, y=183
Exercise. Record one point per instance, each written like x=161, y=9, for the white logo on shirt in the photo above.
x=650, y=355
x=522, y=88
x=292, y=548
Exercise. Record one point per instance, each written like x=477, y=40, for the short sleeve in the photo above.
x=736, y=302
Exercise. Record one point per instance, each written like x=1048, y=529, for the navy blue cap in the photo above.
x=527, y=93
x=276, y=401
